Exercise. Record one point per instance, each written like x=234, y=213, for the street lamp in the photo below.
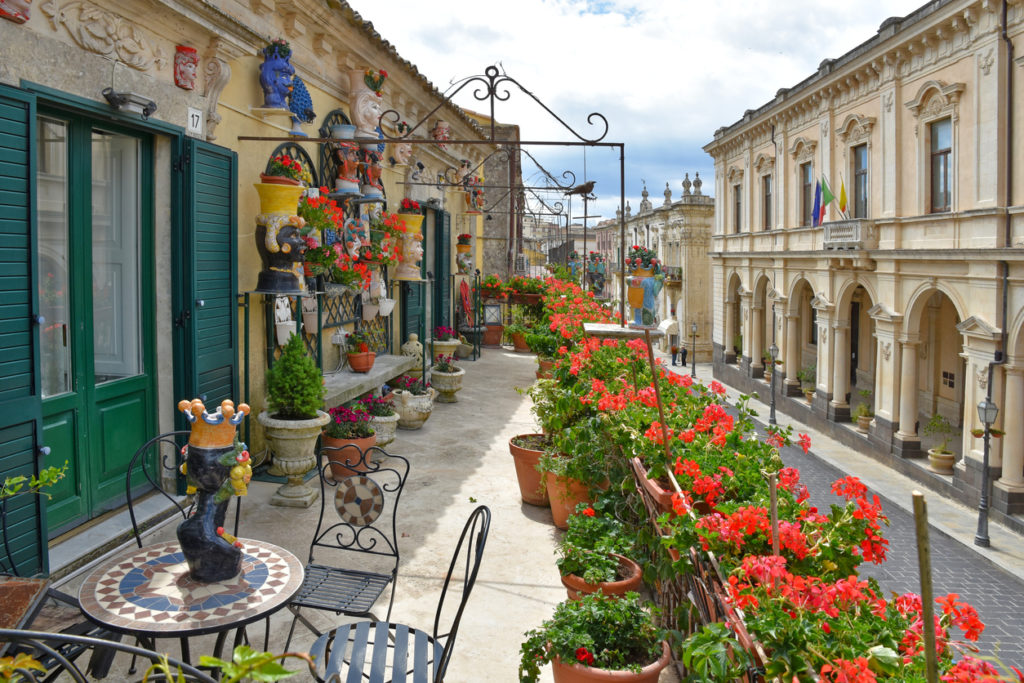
x=693, y=349
x=987, y=412
x=774, y=351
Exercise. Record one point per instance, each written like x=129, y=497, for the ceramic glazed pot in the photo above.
x=446, y=384
x=292, y=443
x=385, y=428
x=346, y=454
x=578, y=673
x=413, y=409
x=634, y=293
x=532, y=487
x=564, y=494
x=631, y=574
x=278, y=241
x=361, y=362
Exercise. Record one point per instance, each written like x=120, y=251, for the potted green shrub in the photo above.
x=446, y=378
x=517, y=331
x=940, y=458
x=293, y=420
x=766, y=362
x=413, y=401
x=808, y=377
x=593, y=554
x=863, y=413
x=593, y=636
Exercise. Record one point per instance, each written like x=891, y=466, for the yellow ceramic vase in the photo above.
x=412, y=222
x=635, y=295
x=280, y=199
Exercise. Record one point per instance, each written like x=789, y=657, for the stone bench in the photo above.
x=345, y=385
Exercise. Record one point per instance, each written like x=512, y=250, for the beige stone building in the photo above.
x=680, y=232
x=129, y=222
x=908, y=297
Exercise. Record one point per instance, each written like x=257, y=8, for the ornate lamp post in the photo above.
x=987, y=412
x=693, y=349
x=774, y=351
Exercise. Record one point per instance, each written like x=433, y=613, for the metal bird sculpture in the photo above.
x=584, y=189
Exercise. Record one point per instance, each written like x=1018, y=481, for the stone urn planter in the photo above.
x=447, y=384
x=385, y=428
x=532, y=487
x=864, y=423
x=445, y=348
x=630, y=577
x=413, y=409
x=578, y=673
x=292, y=443
x=941, y=461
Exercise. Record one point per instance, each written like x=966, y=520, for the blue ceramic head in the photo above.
x=276, y=73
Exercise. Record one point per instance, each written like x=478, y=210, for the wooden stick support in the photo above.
x=661, y=410
x=773, y=493
x=924, y=563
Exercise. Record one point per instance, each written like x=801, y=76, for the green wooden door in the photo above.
x=95, y=259
x=205, y=305
x=443, y=264
x=20, y=398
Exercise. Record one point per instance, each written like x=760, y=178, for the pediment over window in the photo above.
x=735, y=175
x=856, y=128
x=978, y=328
x=935, y=97
x=803, y=149
x=764, y=164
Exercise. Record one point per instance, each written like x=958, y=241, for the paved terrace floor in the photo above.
x=460, y=459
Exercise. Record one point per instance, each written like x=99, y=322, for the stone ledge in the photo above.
x=616, y=331
x=346, y=385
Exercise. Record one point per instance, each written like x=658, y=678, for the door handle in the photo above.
x=43, y=451
x=200, y=303
x=39, y=319
x=182, y=319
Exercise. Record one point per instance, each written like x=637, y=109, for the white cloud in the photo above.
x=665, y=73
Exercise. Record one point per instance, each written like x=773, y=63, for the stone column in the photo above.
x=908, y=443
x=1013, y=440
x=839, y=408
x=730, y=331
x=791, y=348
x=756, y=340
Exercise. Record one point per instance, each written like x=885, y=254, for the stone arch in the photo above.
x=760, y=321
x=732, y=323
x=854, y=365
x=918, y=299
x=1015, y=339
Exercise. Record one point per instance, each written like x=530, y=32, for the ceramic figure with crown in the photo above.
x=216, y=467
x=276, y=73
x=643, y=284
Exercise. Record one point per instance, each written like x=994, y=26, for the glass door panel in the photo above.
x=117, y=328
x=52, y=264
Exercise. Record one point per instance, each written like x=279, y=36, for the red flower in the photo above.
x=583, y=655
x=589, y=512
x=805, y=443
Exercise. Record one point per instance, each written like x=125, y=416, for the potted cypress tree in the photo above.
x=293, y=420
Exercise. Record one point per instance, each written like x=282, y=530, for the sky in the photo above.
x=664, y=73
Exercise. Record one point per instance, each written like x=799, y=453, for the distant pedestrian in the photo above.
x=675, y=352
x=682, y=356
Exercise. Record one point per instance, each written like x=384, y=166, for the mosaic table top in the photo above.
x=149, y=590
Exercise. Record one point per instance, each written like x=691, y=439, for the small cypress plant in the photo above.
x=295, y=387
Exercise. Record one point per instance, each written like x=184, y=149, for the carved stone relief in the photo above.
x=887, y=350
x=986, y=61
x=103, y=33
x=218, y=73
x=982, y=376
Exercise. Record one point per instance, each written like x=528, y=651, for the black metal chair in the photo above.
x=380, y=651
x=50, y=649
x=156, y=460
x=59, y=610
x=357, y=526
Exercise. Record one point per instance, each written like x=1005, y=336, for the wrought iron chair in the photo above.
x=50, y=650
x=381, y=651
x=357, y=525
x=155, y=460
x=59, y=610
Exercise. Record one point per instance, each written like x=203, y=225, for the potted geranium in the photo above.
x=463, y=239
x=862, y=413
x=593, y=554
x=382, y=416
x=526, y=450
x=446, y=377
x=491, y=287
x=348, y=427
x=517, y=332
x=360, y=357
x=284, y=170
x=446, y=340
x=594, y=636
x=293, y=420
x=545, y=345
x=413, y=401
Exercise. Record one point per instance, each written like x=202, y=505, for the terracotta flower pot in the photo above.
x=578, y=673
x=632, y=575
x=545, y=368
x=519, y=344
x=660, y=495
x=346, y=455
x=564, y=494
x=278, y=180
x=361, y=362
x=492, y=335
x=532, y=487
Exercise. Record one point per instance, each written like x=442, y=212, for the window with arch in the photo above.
x=806, y=193
x=859, y=156
x=766, y=202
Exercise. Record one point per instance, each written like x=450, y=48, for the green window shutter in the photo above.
x=206, y=306
x=20, y=396
x=443, y=264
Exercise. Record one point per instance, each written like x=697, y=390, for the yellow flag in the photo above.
x=842, y=195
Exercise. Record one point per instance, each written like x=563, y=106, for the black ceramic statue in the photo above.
x=217, y=467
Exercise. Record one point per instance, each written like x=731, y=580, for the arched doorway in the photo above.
x=760, y=326
x=732, y=342
x=800, y=343
x=853, y=368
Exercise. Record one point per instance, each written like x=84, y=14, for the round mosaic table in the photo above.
x=147, y=592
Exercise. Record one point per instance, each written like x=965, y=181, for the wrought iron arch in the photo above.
x=297, y=152
x=328, y=162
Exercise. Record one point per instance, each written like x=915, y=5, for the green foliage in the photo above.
x=713, y=654
x=12, y=486
x=593, y=534
x=808, y=376
x=544, y=344
x=861, y=410
x=11, y=667
x=604, y=633
x=940, y=427
x=445, y=363
x=295, y=387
